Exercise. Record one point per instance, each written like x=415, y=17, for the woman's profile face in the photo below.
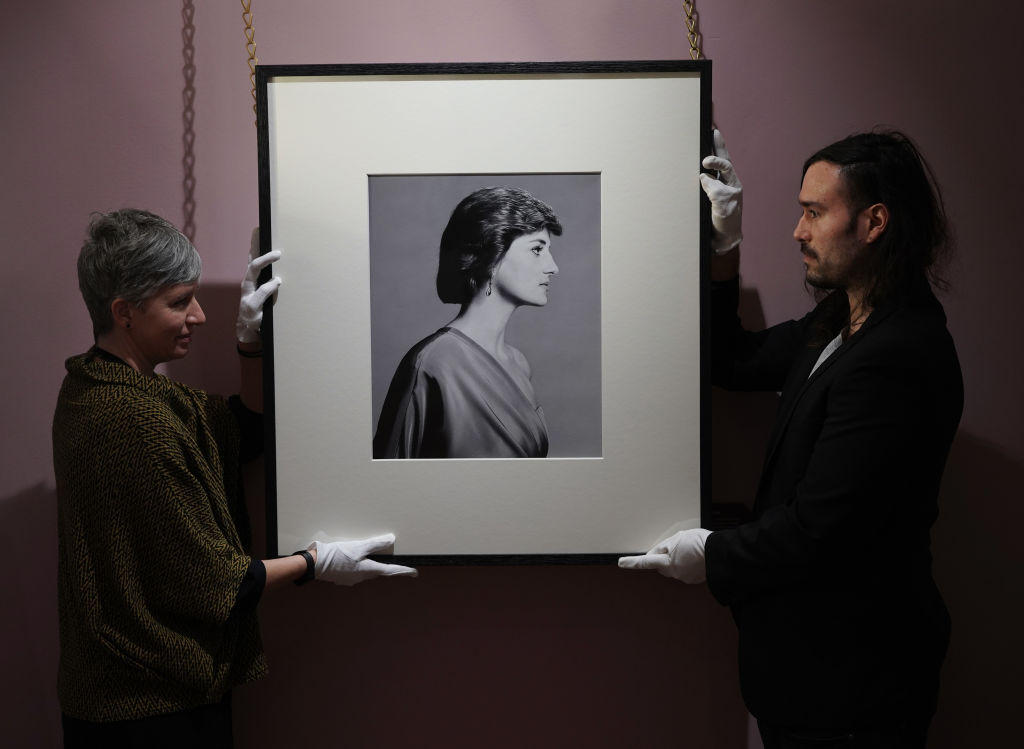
x=162, y=327
x=524, y=274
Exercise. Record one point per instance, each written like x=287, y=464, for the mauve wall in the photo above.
x=92, y=106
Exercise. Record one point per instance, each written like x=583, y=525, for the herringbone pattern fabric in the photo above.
x=150, y=560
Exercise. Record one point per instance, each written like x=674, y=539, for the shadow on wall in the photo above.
x=976, y=544
x=28, y=628
x=497, y=657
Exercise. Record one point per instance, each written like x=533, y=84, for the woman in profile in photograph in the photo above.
x=463, y=391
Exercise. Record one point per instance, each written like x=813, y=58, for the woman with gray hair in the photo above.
x=464, y=391
x=157, y=591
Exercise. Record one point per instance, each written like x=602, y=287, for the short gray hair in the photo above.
x=131, y=254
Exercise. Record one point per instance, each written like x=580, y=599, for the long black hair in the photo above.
x=884, y=166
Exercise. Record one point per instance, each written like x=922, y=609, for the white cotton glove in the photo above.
x=680, y=556
x=250, y=308
x=726, y=196
x=345, y=562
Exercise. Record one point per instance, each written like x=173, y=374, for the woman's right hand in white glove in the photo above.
x=346, y=563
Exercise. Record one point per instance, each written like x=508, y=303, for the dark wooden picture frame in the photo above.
x=637, y=314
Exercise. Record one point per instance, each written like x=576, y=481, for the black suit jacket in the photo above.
x=840, y=623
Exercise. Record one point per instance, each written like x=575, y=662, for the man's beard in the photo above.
x=816, y=282
x=827, y=277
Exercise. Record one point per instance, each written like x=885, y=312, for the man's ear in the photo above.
x=122, y=311
x=877, y=218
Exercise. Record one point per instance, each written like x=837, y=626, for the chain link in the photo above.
x=692, y=32
x=250, y=46
x=188, y=118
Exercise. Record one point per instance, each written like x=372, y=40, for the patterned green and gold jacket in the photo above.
x=150, y=559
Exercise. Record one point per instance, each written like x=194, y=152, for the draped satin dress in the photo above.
x=450, y=398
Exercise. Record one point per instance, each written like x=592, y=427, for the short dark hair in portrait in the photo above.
x=478, y=234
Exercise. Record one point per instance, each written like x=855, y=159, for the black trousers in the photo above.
x=911, y=736
x=204, y=727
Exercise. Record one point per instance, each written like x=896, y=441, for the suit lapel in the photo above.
x=799, y=381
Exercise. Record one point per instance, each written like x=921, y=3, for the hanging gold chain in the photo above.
x=250, y=46
x=692, y=32
x=692, y=35
x=188, y=118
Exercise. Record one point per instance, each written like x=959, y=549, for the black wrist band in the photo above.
x=310, y=567
x=249, y=354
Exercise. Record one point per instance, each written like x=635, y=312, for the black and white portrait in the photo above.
x=485, y=315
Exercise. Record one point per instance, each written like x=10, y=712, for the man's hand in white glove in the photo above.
x=345, y=562
x=250, y=309
x=726, y=196
x=680, y=556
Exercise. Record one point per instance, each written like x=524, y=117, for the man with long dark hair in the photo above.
x=842, y=630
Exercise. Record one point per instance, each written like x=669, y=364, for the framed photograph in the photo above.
x=490, y=339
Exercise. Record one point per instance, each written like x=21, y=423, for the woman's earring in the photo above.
x=488, y=292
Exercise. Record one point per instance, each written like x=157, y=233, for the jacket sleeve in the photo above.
x=744, y=360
